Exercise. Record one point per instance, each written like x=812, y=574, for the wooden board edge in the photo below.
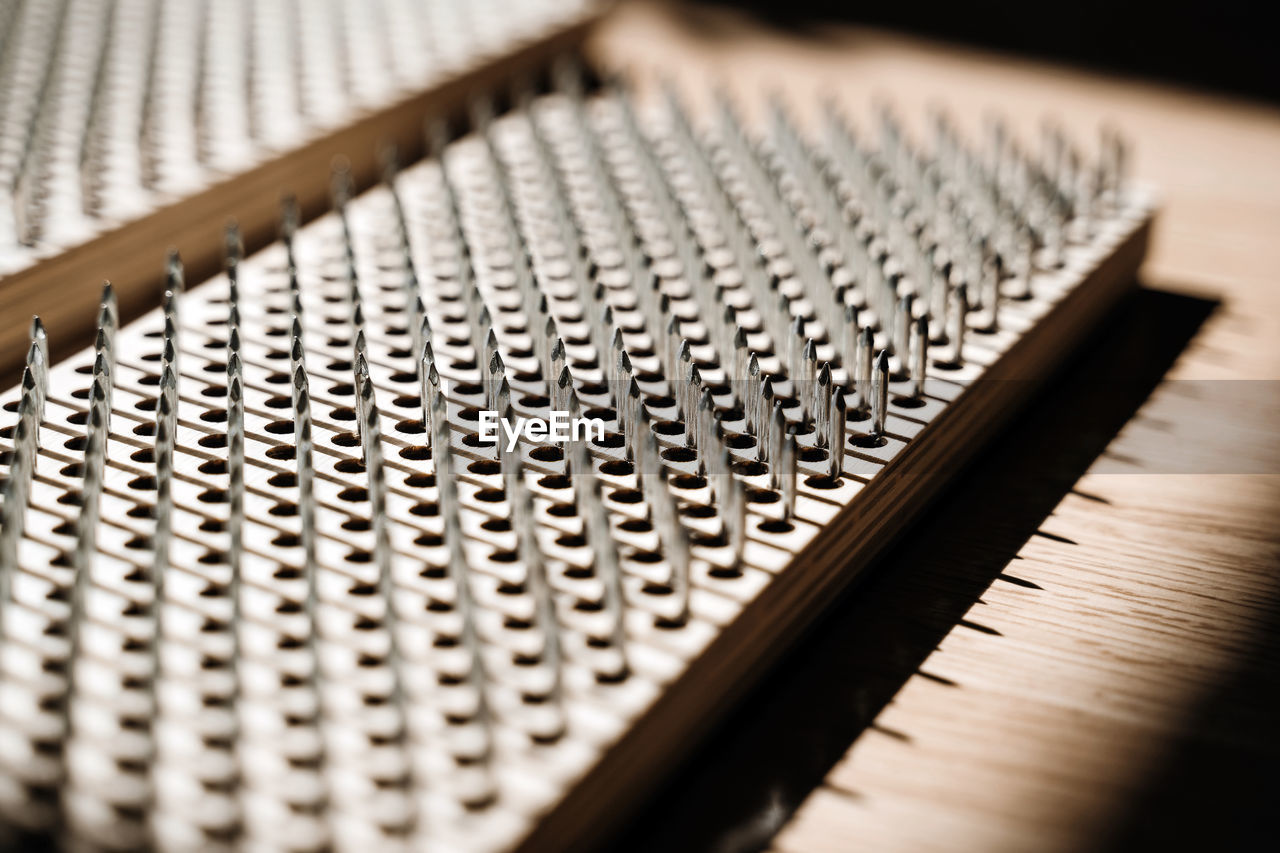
x=633, y=767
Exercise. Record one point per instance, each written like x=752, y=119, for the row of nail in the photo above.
x=111, y=105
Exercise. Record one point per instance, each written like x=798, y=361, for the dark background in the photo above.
x=1229, y=45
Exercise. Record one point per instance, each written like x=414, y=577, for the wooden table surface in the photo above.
x=1078, y=648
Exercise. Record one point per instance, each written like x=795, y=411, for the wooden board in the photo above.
x=622, y=734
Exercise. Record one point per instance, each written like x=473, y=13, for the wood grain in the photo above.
x=1046, y=712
